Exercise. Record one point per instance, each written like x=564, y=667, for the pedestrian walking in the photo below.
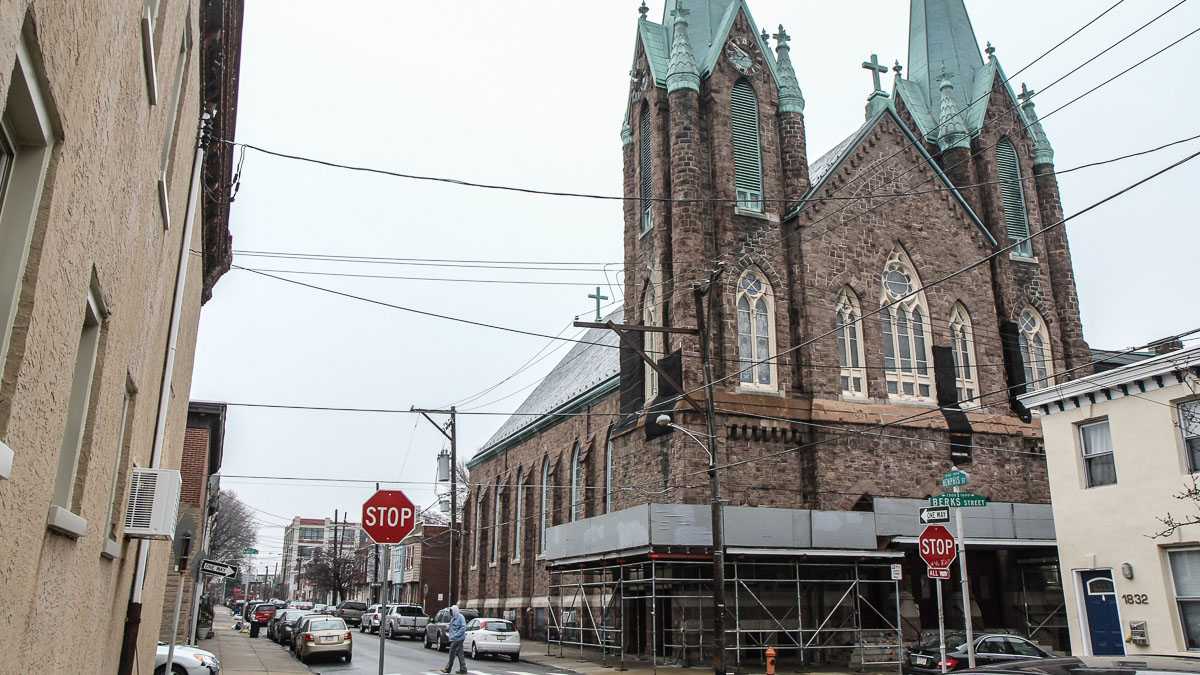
x=456, y=632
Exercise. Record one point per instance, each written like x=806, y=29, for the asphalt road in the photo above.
x=409, y=657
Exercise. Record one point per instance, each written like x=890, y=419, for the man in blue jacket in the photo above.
x=456, y=632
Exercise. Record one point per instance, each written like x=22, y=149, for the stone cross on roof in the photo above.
x=598, y=296
x=782, y=37
x=1026, y=93
x=876, y=69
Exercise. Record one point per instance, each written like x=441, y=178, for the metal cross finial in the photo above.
x=782, y=37
x=598, y=296
x=1026, y=93
x=680, y=12
x=991, y=51
x=876, y=69
x=898, y=68
x=643, y=10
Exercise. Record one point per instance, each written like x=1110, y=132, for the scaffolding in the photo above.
x=828, y=613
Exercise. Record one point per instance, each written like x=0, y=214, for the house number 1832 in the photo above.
x=1136, y=599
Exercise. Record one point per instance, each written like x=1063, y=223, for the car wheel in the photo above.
x=474, y=651
x=516, y=657
x=349, y=655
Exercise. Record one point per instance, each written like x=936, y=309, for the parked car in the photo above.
x=1107, y=665
x=263, y=612
x=405, y=620
x=320, y=608
x=990, y=649
x=300, y=604
x=186, y=661
x=319, y=635
x=370, y=619
x=487, y=635
x=280, y=628
x=350, y=611
x=435, y=630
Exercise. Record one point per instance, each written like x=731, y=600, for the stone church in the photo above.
x=873, y=313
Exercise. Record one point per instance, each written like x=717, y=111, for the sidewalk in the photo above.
x=239, y=655
x=534, y=651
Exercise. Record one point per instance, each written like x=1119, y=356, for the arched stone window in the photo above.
x=519, y=516
x=962, y=344
x=497, y=521
x=755, y=331
x=747, y=149
x=1012, y=196
x=576, y=484
x=1036, y=356
x=477, y=549
x=907, y=355
x=645, y=168
x=653, y=341
x=850, y=345
x=545, y=504
x=608, y=475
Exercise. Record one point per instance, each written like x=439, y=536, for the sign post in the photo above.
x=388, y=517
x=956, y=479
x=936, y=547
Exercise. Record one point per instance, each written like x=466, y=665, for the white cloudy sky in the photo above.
x=532, y=93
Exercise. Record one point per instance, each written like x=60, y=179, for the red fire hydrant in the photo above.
x=770, y=661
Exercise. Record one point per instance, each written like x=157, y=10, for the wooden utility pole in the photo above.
x=451, y=433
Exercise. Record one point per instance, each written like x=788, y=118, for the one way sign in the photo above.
x=219, y=569
x=934, y=514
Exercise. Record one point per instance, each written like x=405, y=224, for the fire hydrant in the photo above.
x=770, y=661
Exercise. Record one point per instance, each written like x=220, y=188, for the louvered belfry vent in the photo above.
x=1012, y=196
x=747, y=151
x=153, y=504
x=645, y=172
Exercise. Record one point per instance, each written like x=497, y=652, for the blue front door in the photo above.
x=1103, y=621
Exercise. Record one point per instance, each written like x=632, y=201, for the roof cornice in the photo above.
x=1144, y=375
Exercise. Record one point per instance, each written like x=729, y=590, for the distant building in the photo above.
x=302, y=539
x=1120, y=445
x=419, y=574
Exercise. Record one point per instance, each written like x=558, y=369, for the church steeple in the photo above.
x=791, y=99
x=940, y=38
x=952, y=131
x=682, y=72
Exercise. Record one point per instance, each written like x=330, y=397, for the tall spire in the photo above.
x=1042, y=152
x=682, y=72
x=940, y=33
x=791, y=99
x=952, y=131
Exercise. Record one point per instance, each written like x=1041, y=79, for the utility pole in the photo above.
x=333, y=566
x=378, y=595
x=450, y=432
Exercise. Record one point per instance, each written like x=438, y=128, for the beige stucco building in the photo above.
x=1120, y=445
x=108, y=245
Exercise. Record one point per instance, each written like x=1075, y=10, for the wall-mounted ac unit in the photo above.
x=153, y=503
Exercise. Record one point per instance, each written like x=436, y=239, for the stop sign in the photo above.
x=936, y=546
x=388, y=516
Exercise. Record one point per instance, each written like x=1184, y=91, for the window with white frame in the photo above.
x=653, y=341
x=608, y=475
x=962, y=345
x=496, y=520
x=755, y=331
x=117, y=487
x=174, y=119
x=66, y=485
x=576, y=484
x=1185, y=573
x=1189, y=424
x=519, y=517
x=1099, y=464
x=850, y=345
x=907, y=342
x=645, y=169
x=27, y=137
x=1034, y=343
x=545, y=504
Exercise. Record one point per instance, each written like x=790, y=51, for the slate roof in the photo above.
x=584, y=368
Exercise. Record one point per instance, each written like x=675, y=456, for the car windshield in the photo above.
x=496, y=626
x=327, y=624
x=354, y=605
x=411, y=611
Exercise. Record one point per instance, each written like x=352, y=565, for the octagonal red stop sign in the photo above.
x=936, y=546
x=388, y=516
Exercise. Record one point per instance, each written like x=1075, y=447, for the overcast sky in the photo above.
x=532, y=94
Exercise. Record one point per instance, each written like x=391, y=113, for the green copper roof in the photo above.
x=681, y=71
x=941, y=42
x=709, y=23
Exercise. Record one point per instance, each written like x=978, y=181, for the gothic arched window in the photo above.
x=906, y=340
x=850, y=345
x=962, y=344
x=653, y=342
x=545, y=504
x=645, y=168
x=496, y=520
x=755, y=331
x=576, y=483
x=747, y=150
x=608, y=475
x=1034, y=342
x=478, y=549
x=1012, y=196
x=519, y=517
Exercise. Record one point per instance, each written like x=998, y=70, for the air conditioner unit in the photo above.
x=153, y=503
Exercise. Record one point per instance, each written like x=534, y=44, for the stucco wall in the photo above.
x=1103, y=527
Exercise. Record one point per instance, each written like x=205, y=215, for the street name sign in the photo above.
x=931, y=515
x=958, y=500
x=936, y=547
x=955, y=478
x=388, y=516
x=219, y=569
x=249, y=551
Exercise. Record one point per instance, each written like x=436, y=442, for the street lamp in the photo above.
x=718, y=534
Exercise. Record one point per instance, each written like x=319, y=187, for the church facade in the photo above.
x=872, y=315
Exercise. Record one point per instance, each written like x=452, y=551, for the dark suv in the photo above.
x=351, y=612
x=436, y=629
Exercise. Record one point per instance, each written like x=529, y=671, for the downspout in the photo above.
x=133, y=614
